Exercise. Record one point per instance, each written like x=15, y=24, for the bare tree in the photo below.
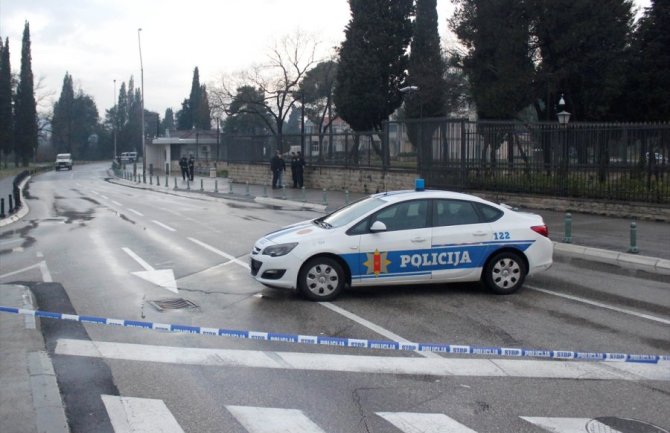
x=277, y=79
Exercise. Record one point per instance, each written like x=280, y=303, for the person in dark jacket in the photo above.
x=191, y=167
x=277, y=166
x=300, y=170
x=183, y=165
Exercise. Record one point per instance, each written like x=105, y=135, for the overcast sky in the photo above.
x=96, y=41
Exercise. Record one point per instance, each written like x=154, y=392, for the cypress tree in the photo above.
x=6, y=114
x=26, y=108
x=373, y=62
x=62, y=121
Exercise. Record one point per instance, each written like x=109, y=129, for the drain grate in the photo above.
x=174, y=304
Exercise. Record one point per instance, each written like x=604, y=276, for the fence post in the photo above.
x=633, y=239
x=567, y=236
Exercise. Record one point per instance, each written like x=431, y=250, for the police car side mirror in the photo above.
x=378, y=226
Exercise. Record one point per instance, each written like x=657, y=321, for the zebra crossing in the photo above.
x=141, y=415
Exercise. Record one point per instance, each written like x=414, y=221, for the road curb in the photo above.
x=625, y=260
x=290, y=203
x=23, y=210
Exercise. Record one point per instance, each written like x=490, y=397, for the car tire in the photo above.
x=321, y=279
x=504, y=273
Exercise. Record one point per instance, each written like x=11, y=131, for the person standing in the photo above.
x=275, y=167
x=294, y=169
x=183, y=165
x=191, y=167
x=300, y=169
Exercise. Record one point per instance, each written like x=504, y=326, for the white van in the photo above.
x=128, y=157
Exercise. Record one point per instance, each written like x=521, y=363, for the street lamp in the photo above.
x=114, y=120
x=563, y=116
x=144, y=148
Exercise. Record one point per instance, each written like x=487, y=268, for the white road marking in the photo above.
x=140, y=415
x=136, y=212
x=11, y=241
x=117, y=203
x=448, y=367
x=18, y=271
x=46, y=275
x=160, y=277
x=104, y=196
x=569, y=425
x=272, y=420
x=410, y=422
x=601, y=305
x=166, y=227
x=219, y=252
x=376, y=328
x=138, y=259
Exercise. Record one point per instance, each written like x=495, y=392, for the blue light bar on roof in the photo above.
x=419, y=185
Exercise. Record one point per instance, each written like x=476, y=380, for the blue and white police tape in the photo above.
x=349, y=342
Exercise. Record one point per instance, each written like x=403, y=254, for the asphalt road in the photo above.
x=91, y=247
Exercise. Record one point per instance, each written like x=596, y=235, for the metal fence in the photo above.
x=623, y=162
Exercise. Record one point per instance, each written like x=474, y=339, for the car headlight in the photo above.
x=279, y=250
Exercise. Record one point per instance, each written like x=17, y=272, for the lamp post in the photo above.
x=144, y=148
x=563, y=119
x=114, y=121
x=412, y=90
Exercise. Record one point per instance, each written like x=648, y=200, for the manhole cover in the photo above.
x=612, y=424
x=174, y=304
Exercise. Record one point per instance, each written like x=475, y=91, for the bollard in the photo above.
x=175, y=183
x=346, y=196
x=2, y=207
x=202, y=187
x=325, y=197
x=11, y=205
x=230, y=186
x=216, y=185
x=188, y=185
x=567, y=236
x=144, y=178
x=151, y=179
x=265, y=190
x=166, y=179
x=304, y=194
x=158, y=180
x=246, y=191
x=283, y=192
x=633, y=239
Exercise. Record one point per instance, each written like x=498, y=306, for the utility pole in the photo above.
x=144, y=147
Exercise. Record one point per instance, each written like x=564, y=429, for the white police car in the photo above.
x=405, y=237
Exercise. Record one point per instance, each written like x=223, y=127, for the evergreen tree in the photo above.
x=498, y=63
x=26, y=109
x=6, y=113
x=63, y=118
x=190, y=116
x=184, y=117
x=426, y=68
x=580, y=45
x=247, y=113
x=372, y=62
x=168, y=121
x=203, y=115
x=647, y=94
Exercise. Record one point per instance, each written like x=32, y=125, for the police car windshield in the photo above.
x=352, y=212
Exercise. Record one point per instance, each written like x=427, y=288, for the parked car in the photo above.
x=128, y=157
x=63, y=160
x=405, y=237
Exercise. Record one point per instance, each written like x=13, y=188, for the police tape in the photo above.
x=348, y=342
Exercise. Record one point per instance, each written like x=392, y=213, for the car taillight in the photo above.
x=543, y=230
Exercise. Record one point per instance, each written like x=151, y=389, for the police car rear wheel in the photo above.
x=504, y=273
x=321, y=279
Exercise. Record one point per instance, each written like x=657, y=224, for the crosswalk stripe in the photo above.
x=363, y=364
x=273, y=420
x=140, y=415
x=410, y=422
x=569, y=425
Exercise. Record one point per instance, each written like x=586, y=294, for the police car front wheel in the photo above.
x=321, y=279
x=504, y=273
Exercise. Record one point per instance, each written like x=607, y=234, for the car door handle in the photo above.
x=418, y=239
x=480, y=233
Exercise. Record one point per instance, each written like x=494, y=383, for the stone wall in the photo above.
x=375, y=180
